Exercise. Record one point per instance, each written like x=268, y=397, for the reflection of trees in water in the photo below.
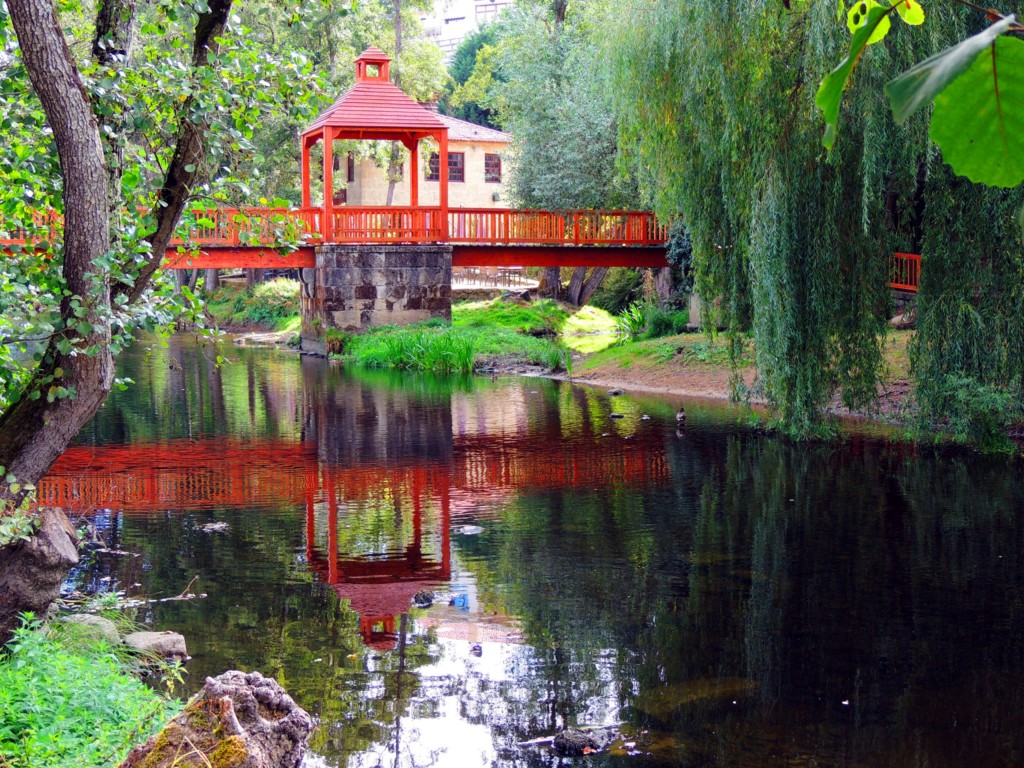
x=804, y=576
x=816, y=574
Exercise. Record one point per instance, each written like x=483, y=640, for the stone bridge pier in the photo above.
x=357, y=287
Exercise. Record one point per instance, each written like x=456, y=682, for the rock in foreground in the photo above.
x=238, y=720
x=166, y=645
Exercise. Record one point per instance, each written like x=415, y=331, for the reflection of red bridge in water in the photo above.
x=220, y=472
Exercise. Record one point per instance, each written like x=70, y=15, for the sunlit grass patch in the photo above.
x=527, y=317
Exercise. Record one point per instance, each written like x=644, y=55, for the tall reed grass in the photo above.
x=429, y=350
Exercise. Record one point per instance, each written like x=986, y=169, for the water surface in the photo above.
x=728, y=598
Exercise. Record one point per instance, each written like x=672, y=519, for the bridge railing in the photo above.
x=502, y=226
x=43, y=226
x=249, y=226
x=383, y=224
x=905, y=271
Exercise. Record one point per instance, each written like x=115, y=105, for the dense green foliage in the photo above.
x=791, y=238
x=460, y=100
x=552, y=93
x=433, y=350
x=71, y=703
x=274, y=304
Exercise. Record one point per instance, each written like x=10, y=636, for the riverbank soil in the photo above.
x=696, y=365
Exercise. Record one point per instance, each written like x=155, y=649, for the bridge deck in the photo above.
x=260, y=237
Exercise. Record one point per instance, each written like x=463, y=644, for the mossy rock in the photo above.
x=238, y=720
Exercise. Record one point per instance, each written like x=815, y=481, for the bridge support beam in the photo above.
x=357, y=287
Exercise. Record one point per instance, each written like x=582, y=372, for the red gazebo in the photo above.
x=374, y=109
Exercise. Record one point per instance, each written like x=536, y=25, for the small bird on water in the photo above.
x=681, y=416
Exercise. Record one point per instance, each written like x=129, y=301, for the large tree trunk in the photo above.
x=663, y=285
x=581, y=287
x=550, y=284
x=35, y=430
x=31, y=572
x=33, y=433
x=253, y=277
x=591, y=285
x=211, y=282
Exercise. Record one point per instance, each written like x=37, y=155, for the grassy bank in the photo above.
x=483, y=334
x=273, y=305
x=69, y=700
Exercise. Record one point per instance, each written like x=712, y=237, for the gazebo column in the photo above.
x=328, y=185
x=305, y=146
x=443, y=139
x=414, y=172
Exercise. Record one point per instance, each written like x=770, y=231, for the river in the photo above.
x=728, y=598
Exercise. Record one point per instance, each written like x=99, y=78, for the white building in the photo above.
x=453, y=20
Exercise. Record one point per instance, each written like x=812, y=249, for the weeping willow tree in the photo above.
x=716, y=108
x=968, y=355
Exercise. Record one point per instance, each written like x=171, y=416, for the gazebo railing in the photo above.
x=386, y=225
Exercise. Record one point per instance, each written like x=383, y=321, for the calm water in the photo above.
x=730, y=599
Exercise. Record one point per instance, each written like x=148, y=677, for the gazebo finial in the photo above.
x=373, y=66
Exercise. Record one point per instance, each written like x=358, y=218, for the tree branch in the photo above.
x=189, y=153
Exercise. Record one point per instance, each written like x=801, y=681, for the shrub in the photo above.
x=632, y=320
x=972, y=412
x=267, y=302
x=663, y=322
x=71, y=703
x=622, y=286
x=336, y=341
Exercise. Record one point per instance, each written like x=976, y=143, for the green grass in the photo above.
x=482, y=333
x=69, y=703
x=687, y=349
x=526, y=317
x=414, y=348
x=273, y=305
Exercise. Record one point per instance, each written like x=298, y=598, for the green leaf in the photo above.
x=911, y=12
x=978, y=121
x=830, y=92
x=130, y=179
x=918, y=86
x=859, y=16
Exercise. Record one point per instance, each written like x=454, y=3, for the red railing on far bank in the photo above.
x=905, y=271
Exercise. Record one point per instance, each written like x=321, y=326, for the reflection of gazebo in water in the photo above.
x=381, y=587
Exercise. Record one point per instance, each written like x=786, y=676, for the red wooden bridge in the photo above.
x=376, y=109
x=260, y=237
x=225, y=238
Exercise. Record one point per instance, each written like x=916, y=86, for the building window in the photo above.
x=456, y=167
x=351, y=168
x=492, y=169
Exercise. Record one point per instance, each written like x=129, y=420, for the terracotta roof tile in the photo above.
x=376, y=105
x=462, y=130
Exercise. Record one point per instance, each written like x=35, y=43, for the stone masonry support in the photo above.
x=357, y=287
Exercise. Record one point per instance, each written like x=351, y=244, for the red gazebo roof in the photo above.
x=374, y=103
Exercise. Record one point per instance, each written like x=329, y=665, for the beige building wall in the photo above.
x=370, y=187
